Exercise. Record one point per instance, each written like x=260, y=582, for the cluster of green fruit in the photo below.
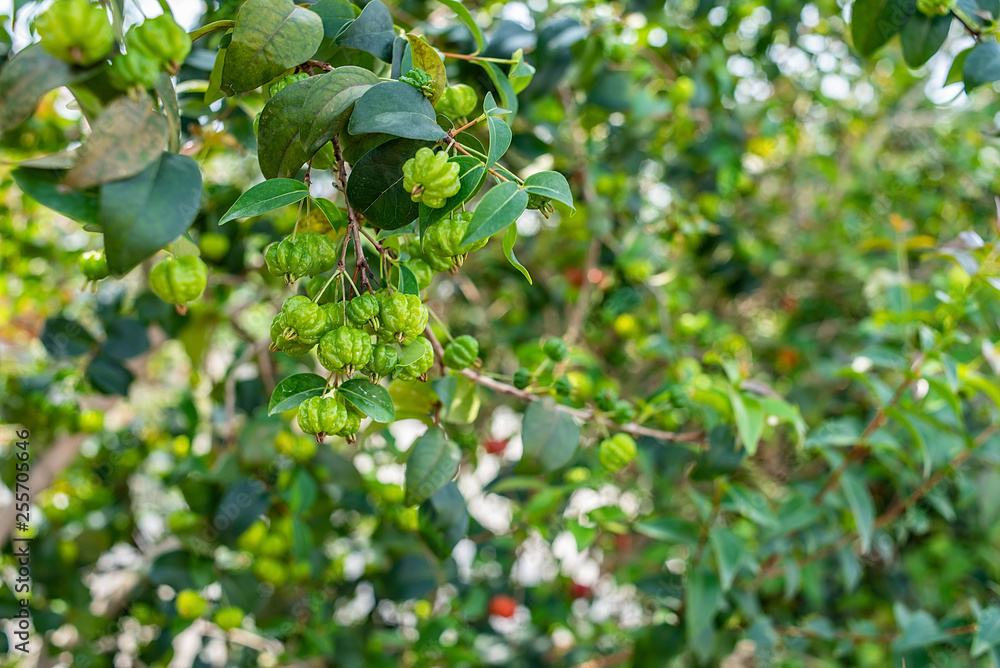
x=79, y=33
x=176, y=280
x=191, y=605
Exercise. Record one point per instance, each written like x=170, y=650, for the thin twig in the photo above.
x=585, y=415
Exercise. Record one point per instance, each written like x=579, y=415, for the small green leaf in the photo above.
x=27, y=77
x=432, y=463
x=465, y=17
x=267, y=196
x=293, y=390
x=333, y=213
x=862, y=507
x=126, y=138
x=498, y=208
x=955, y=71
x=552, y=185
x=375, y=187
x=729, y=551
x=471, y=175
x=509, y=239
x=280, y=150
x=982, y=66
x=749, y=419
x=171, y=108
x=372, y=32
x=427, y=59
x=500, y=136
x=922, y=37
x=42, y=185
x=270, y=36
x=508, y=98
x=702, y=599
x=407, y=281
x=874, y=22
x=146, y=212
x=521, y=73
x=443, y=520
x=550, y=439
x=669, y=530
x=987, y=631
x=396, y=108
x=372, y=400
x=328, y=105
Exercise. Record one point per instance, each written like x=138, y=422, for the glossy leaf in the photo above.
x=333, y=213
x=372, y=31
x=749, y=420
x=375, y=187
x=550, y=439
x=552, y=185
x=372, y=400
x=266, y=196
x=280, y=150
x=668, y=529
x=498, y=208
x=407, y=281
x=500, y=134
x=26, y=78
x=982, y=65
x=128, y=137
x=432, y=463
x=328, y=104
x=43, y=185
x=270, y=36
x=335, y=14
x=443, y=520
x=292, y=391
x=874, y=22
x=922, y=37
x=395, y=108
x=143, y=214
x=427, y=59
x=509, y=239
x=508, y=98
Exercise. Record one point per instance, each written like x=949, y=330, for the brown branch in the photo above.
x=881, y=638
x=319, y=64
x=861, y=449
x=586, y=415
x=615, y=659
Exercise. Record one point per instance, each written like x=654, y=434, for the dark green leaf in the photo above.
x=143, y=214
x=702, y=598
x=465, y=17
x=356, y=147
x=214, y=90
x=980, y=11
x=987, y=632
x=862, y=507
x=427, y=59
x=375, y=187
x=168, y=97
x=433, y=462
x=372, y=400
x=108, y=376
x=267, y=196
x=919, y=629
x=443, y=520
x=241, y=505
x=126, y=338
x=669, y=530
x=42, y=185
x=280, y=150
x=500, y=135
x=471, y=175
x=955, y=71
x=293, y=390
x=550, y=439
x=126, y=138
x=328, y=104
x=270, y=36
x=395, y=108
x=922, y=37
x=28, y=76
x=749, y=418
x=552, y=185
x=982, y=65
x=509, y=239
x=372, y=31
x=63, y=337
x=729, y=551
x=335, y=14
x=498, y=208
x=874, y=22
x=302, y=493
x=459, y=399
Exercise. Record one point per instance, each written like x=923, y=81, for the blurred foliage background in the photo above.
x=781, y=247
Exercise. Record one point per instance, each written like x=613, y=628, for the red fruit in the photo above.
x=495, y=446
x=623, y=542
x=577, y=590
x=503, y=606
x=575, y=276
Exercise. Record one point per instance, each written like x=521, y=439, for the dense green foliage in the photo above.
x=544, y=334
